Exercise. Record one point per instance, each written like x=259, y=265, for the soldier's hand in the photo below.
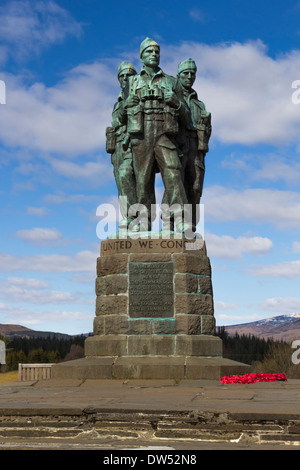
x=171, y=99
x=131, y=101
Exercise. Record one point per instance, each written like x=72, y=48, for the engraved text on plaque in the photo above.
x=151, y=290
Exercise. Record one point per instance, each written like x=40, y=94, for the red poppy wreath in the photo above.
x=251, y=378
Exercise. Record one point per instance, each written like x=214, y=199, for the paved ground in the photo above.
x=112, y=414
x=268, y=398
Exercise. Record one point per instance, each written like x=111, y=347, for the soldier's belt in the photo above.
x=153, y=111
x=150, y=112
x=154, y=117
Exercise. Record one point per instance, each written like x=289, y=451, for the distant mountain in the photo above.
x=13, y=331
x=282, y=327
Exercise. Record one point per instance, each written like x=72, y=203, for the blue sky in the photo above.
x=58, y=60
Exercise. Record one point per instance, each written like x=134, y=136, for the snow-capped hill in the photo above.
x=285, y=327
x=279, y=319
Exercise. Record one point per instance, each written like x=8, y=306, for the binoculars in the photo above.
x=153, y=93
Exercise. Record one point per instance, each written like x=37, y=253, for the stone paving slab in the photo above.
x=122, y=414
x=261, y=397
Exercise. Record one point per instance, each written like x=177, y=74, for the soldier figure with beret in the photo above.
x=118, y=144
x=195, y=137
x=155, y=110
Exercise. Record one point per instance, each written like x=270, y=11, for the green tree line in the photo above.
x=263, y=355
x=49, y=349
x=244, y=348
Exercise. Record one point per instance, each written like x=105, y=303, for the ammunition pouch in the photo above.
x=171, y=126
x=110, y=140
x=135, y=120
x=203, y=138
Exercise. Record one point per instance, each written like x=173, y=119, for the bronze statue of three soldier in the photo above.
x=158, y=125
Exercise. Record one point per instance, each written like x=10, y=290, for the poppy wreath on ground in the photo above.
x=251, y=378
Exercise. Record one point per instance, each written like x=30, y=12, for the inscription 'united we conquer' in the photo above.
x=150, y=246
x=151, y=290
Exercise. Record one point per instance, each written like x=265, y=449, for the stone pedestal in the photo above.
x=154, y=315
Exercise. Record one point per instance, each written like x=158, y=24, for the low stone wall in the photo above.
x=93, y=429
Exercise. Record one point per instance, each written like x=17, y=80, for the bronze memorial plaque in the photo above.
x=151, y=290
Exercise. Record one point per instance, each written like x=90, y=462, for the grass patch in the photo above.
x=9, y=377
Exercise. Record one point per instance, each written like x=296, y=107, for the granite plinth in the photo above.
x=159, y=286
x=154, y=315
x=153, y=345
x=148, y=367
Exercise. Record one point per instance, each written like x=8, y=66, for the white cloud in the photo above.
x=266, y=168
x=248, y=92
x=285, y=269
x=228, y=247
x=16, y=292
x=81, y=261
x=280, y=208
x=9, y=291
x=27, y=283
x=92, y=170
x=16, y=314
x=38, y=211
x=69, y=118
x=40, y=235
x=221, y=305
x=30, y=26
x=282, y=305
x=276, y=169
x=296, y=247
